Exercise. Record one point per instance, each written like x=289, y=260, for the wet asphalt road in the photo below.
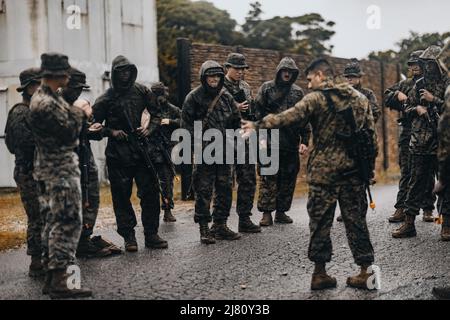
x=270, y=265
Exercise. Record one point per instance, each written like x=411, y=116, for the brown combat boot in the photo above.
x=445, y=232
x=321, y=280
x=407, y=230
x=247, y=226
x=154, y=241
x=131, y=243
x=222, y=232
x=168, y=216
x=398, y=216
x=428, y=216
x=267, y=220
x=283, y=218
x=36, y=269
x=59, y=287
x=360, y=281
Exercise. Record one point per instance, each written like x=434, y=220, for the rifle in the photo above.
x=163, y=144
x=85, y=157
x=141, y=144
x=432, y=114
x=240, y=97
x=361, y=150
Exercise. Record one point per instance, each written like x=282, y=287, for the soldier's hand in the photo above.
x=243, y=106
x=426, y=95
x=96, y=127
x=247, y=128
x=85, y=106
x=439, y=188
x=303, y=150
x=421, y=110
x=165, y=122
x=119, y=135
x=402, y=97
x=143, y=132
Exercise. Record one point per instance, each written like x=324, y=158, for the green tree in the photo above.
x=306, y=34
x=199, y=21
x=414, y=42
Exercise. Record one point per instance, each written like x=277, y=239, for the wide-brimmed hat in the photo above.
x=77, y=79
x=237, y=61
x=27, y=77
x=353, y=69
x=414, y=58
x=54, y=64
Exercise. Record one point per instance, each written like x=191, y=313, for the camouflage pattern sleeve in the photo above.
x=100, y=111
x=373, y=102
x=188, y=114
x=260, y=104
x=444, y=140
x=175, y=116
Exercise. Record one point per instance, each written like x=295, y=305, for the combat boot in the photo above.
x=445, y=232
x=247, y=226
x=205, y=235
x=442, y=293
x=36, y=269
x=339, y=219
x=360, y=281
x=154, y=241
x=321, y=280
x=88, y=249
x=59, y=287
x=168, y=216
x=428, y=216
x=407, y=230
x=131, y=243
x=283, y=218
x=398, y=216
x=222, y=232
x=267, y=220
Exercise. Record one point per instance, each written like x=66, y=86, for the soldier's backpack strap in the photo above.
x=211, y=106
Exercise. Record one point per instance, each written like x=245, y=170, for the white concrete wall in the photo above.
x=108, y=28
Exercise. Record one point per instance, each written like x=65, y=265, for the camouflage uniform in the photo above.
x=215, y=177
x=354, y=69
x=160, y=137
x=423, y=145
x=274, y=97
x=444, y=160
x=124, y=163
x=327, y=184
x=56, y=127
x=245, y=173
x=20, y=142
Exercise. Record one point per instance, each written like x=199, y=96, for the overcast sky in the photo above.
x=353, y=38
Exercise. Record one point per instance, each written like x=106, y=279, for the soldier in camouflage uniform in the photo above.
x=245, y=173
x=215, y=108
x=443, y=186
x=160, y=139
x=20, y=142
x=395, y=99
x=425, y=104
x=96, y=246
x=128, y=99
x=56, y=127
x=354, y=74
x=327, y=167
x=277, y=191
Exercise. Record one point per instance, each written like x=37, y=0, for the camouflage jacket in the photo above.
x=329, y=158
x=18, y=136
x=274, y=98
x=376, y=112
x=225, y=115
x=391, y=101
x=444, y=141
x=234, y=89
x=424, y=140
x=56, y=127
x=160, y=136
x=110, y=108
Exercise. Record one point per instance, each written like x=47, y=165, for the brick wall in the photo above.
x=262, y=68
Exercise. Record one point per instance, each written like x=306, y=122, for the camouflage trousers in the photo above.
x=405, y=172
x=322, y=204
x=208, y=181
x=90, y=212
x=166, y=177
x=121, y=179
x=420, y=188
x=29, y=194
x=277, y=191
x=60, y=201
x=443, y=204
x=246, y=180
